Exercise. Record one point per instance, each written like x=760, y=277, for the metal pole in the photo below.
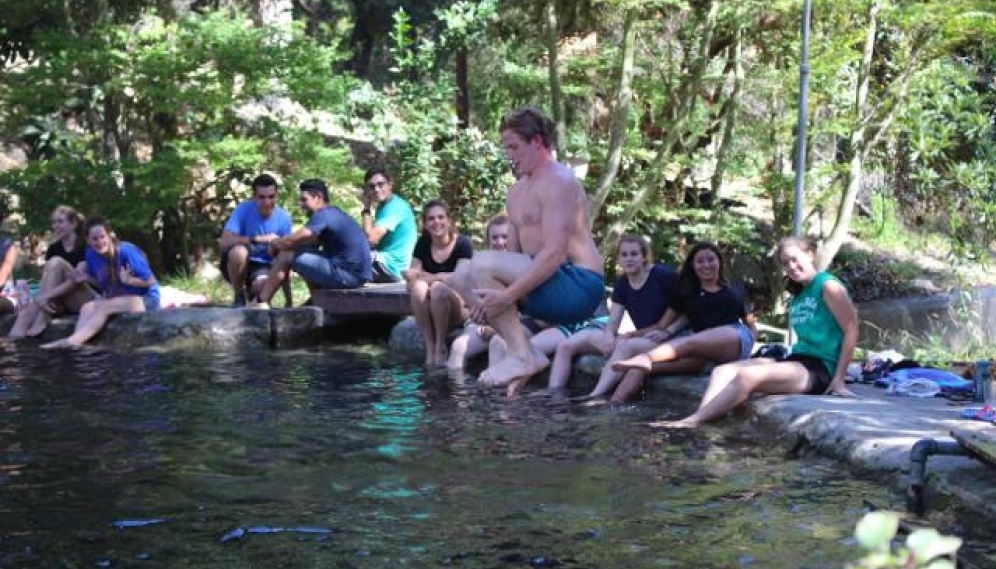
x=800, y=143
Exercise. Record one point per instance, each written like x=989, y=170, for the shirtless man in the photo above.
x=557, y=276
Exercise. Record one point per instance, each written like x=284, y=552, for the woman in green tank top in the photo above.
x=826, y=325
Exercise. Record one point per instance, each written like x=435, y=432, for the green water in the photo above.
x=340, y=458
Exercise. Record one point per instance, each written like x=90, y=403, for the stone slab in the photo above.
x=202, y=328
x=381, y=299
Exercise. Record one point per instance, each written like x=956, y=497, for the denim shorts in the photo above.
x=324, y=272
x=570, y=295
x=746, y=340
x=151, y=303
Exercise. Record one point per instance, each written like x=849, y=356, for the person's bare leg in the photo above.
x=288, y=290
x=26, y=318
x=633, y=380
x=278, y=272
x=586, y=341
x=466, y=346
x=720, y=344
x=33, y=318
x=521, y=358
x=238, y=263
x=780, y=377
x=447, y=311
x=419, y=294
x=625, y=348
x=94, y=316
x=546, y=341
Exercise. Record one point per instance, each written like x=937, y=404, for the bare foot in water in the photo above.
x=641, y=362
x=685, y=423
x=511, y=368
x=515, y=386
x=38, y=327
x=63, y=344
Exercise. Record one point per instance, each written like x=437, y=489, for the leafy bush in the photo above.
x=924, y=548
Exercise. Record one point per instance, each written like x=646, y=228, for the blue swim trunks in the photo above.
x=570, y=295
x=593, y=323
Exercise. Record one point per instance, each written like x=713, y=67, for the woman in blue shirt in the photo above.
x=120, y=271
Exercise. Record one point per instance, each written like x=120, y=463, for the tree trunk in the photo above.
x=732, y=104
x=463, y=89
x=620, y=113
x=688, y=91
x=857, y=141
x=556, y=94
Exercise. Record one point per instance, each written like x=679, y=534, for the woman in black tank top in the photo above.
x=59, y=291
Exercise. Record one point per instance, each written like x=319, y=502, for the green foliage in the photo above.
x=154, y=121
x=923, y=549
x=431, y=157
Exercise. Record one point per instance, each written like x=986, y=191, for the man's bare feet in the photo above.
x=63, y=344
x=641, y=362
x=515, y=386
x=511, y=368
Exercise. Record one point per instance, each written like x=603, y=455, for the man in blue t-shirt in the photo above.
x=245, y=261
x=341, y=258
x=392, y=231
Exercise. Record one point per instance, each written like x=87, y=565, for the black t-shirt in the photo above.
x=706, y=309
x=74, y=257
x=646, y=305
x=463, y=249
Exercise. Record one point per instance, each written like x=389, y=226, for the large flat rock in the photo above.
x=203, y=328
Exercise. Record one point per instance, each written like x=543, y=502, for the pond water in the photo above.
x=337, y=457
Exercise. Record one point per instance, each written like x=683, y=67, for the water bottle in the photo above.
x=981, y=377
x=22, y=293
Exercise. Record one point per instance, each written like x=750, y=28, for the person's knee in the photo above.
x=56, y=264
x=564, y=350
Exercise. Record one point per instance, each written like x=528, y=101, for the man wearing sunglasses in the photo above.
x=389, y=224
x=245, y=262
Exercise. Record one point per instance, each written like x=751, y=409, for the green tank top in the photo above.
x=818, y=333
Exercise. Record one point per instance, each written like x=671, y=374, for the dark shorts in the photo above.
x=819, y=377
x=254, y=270
x=6, y=306
x=151, y=303
x=570, y=295
x=325, y=272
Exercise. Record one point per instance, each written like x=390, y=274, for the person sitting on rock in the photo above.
x=8, y=258
x=826, y=327
x=120, y=271
x=244, y=242
x=342, y=258
x=722, y=330
x=389, y=224
x=643, y=291
x=436, y=307
x=475, y=337
x=59, y=291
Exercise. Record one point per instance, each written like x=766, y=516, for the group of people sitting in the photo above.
x=537, y=292
x=87, y=271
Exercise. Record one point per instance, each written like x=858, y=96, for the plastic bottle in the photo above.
x=983, y=370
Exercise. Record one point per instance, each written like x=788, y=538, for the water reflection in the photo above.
x=330, y=458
